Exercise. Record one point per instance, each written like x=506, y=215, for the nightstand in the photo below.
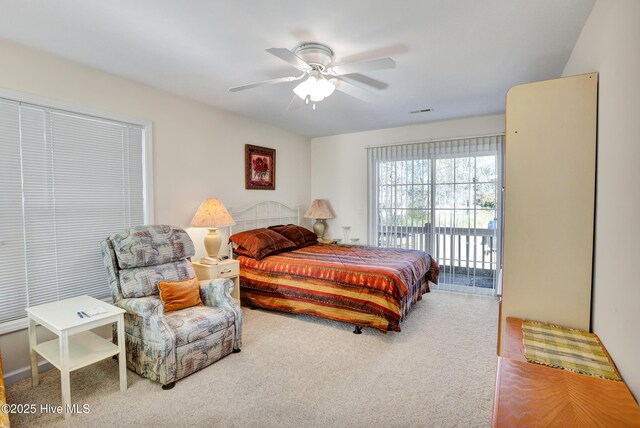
x=224, y=269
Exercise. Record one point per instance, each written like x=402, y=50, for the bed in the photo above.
x=364, y=286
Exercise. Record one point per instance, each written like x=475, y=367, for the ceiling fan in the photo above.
x=315, y=61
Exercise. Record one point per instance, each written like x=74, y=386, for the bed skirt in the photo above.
x=330, y=310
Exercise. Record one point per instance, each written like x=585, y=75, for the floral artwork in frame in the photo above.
x=260, y=167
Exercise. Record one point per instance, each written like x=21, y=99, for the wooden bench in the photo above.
x=4, y=416
x=534, y=395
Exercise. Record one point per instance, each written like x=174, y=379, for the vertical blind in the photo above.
x=67, y=181
x=443, y=197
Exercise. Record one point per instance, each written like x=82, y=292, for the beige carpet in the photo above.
x=301, y=372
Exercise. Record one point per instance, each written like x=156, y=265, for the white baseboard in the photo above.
x=25, y=372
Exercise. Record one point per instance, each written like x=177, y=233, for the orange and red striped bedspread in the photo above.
x=366, y=286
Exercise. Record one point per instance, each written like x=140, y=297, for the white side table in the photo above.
x=228, y=268
x=76, y=346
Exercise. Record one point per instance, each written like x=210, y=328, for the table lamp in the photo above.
x=321, y=211
x=212, y=214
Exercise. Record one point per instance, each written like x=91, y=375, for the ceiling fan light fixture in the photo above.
x=316, y=97
x=303, y=89
x=317, y=89
x=326, y=87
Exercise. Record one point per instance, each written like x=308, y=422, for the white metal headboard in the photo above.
x=263, y=214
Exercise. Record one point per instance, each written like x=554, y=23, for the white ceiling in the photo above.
x=458, y=57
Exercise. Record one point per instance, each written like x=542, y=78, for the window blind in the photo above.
x=443, y=197
x=13, y=293
x=71, y=180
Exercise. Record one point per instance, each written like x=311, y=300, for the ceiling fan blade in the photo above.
x=265, y=82
x=359, y=67
x=289, y=57
x=369, y=81
x=296, y=103
x=354, y=91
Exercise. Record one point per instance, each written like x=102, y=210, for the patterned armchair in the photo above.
x=167, y=347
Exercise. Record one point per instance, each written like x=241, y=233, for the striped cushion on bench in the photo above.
x=574, y=350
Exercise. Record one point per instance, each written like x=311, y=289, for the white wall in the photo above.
x=198, y=151
x=339, y=165
x=610, y=44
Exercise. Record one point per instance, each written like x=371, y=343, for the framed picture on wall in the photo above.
x=260, y=168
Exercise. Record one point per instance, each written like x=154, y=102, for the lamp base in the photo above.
x=211, y=245
x=318, y=227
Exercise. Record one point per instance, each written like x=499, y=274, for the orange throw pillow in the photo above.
x=180, y=294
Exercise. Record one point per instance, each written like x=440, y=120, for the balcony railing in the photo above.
x=467, y=256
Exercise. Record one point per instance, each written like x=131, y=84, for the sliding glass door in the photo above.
x=444, y=198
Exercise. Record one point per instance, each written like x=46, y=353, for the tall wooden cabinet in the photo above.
x=550, y=167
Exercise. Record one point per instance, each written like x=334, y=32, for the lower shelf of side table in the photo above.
x=84, y=349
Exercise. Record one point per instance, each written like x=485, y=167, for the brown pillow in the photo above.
x=261, y=242
x=180, y=294
x=239, y=251
x=307, y=244
x=301, y=236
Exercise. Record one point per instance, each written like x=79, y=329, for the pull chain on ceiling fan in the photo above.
x=315, y=61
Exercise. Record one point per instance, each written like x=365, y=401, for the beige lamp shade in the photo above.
x=212, y=214
x=319, y=210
